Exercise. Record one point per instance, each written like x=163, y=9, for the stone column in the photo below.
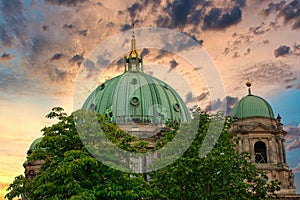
x=240, y=147
x=269, y=151
x=251, y=150
x=246, y=144
x=283, y=151
x=274, y=150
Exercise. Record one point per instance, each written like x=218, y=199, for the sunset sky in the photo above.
x=44, y=43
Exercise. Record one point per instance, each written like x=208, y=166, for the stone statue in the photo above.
x=291, y=178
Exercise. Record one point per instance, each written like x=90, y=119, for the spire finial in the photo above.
x=248, y=84
x=133, y=38
x=134, y=62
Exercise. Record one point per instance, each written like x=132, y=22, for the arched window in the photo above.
x=260, y=152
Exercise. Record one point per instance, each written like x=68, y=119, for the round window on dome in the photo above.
x=134, y=101
x=92, y=107
x=134, y=81
x=176, y=107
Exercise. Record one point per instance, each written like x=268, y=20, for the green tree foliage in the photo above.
x=221, y=174
x=17, y=188
x=71, y=172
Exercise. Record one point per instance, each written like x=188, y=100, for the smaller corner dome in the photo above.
x=252, y=106
x=34, y=143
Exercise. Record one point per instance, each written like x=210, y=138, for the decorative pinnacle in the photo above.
x=248, y=84
x=133, y=39
x=134, y=62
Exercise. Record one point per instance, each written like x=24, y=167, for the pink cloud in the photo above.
x=292, y=137
x=296, y=169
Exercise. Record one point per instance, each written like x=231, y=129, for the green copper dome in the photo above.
x=252, y=106
x=137, y=97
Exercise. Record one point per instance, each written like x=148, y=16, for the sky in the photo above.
x=43, y=45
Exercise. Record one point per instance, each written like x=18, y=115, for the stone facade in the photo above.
x=263, y=138
x=32, y=169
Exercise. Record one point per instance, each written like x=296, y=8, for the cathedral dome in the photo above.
x=138, y=97
x=135, y=97
x=252, y=106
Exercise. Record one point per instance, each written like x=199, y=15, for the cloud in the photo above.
x=13, y=81
x=77, y=59
x=288, y=11
x=245, y=39
x=3, y=187
x=296, y=169
x=145, y=52
x=6, y=57
x=268, y=73
x=65, y=2
x=285, y=50
x=296, y=49
x=90, y=67
x=57, y=56
x=68, y=26
x=281, y=51
x=134, y=9
x=173, y=64
x=260, y=29
x=7, y=78
x=205, y=15
x=102, y=61
x=292, y=137
x=14, y=22
x=228, y=103
x=291, y=13
x=218, y=19
x=5, y=39
x=126, y=27
x=190, y=98
x=236, y=55
x=179, y=11
x=56, y=74
x=241, y=3
x=273, y=8
x=163, y=21
x=83, y=32
x=247, y=52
